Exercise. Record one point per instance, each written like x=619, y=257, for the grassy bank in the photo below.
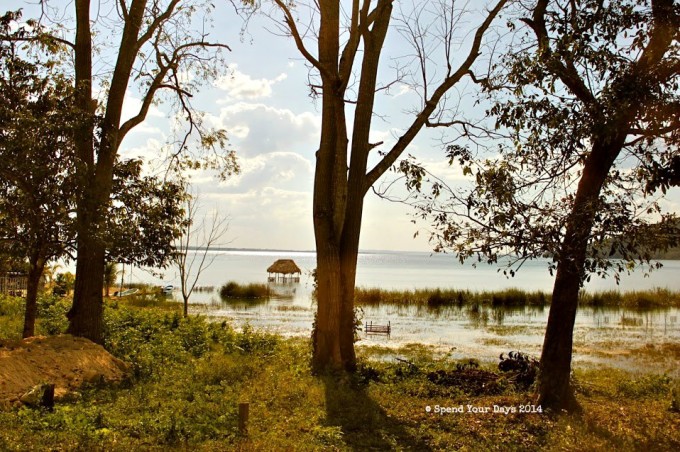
x=190, y=375
x=657, y=298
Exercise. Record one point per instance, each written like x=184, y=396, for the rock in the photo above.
x=41, y=395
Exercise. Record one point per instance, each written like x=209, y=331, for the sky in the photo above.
x=263, y=103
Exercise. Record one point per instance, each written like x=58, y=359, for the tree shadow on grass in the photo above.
x=364, y=423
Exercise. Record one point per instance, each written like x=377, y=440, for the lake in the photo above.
x=601, y=335
x=405, y=270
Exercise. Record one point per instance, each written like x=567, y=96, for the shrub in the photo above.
x=52, y=311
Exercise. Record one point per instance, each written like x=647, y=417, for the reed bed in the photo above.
x=233, y=289
x=656, y=298
x=642, y=299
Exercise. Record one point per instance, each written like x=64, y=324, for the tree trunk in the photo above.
x=555, y=366
x=554, y=389
x=327, y=352
x=36, y=268
x=86, y=313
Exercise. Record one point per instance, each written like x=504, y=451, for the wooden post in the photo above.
x=243, y=409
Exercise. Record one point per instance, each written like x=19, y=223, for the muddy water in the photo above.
x=612, y=336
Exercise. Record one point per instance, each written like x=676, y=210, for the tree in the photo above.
x=192, y=249
x=154, y=50
x=35, y=187
x=145, y=217
x=342, y=175
x=144, y=214
x=591, y=100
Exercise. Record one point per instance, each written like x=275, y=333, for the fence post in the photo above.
x=243, y=411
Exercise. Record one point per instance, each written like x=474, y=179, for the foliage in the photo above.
x=52, y=311
x=588, y=99
x=191, y=374
x=145, y=216
x=63, y=283
x=657, y=298
x=150, y=45
x=434, y=298
x=37, y=120
x=11, y=316
x=523, y=368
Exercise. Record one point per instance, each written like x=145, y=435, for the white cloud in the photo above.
x=286, y=170
x=267, y=217
x=148, y=150
x=241, y=86
x=402, y=89
x=257, y=129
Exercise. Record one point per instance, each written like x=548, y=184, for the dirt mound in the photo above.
x=67, y=362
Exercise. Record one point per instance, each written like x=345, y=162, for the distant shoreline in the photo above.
x=671, y=255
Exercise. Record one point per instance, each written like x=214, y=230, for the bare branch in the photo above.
x=432, y=102
x=295, y=33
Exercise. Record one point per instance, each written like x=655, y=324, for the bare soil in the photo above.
x=66, y=361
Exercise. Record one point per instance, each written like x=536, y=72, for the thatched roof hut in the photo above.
x=282, y=268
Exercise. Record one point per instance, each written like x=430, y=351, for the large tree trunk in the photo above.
x=554, y=389
x=86, y=313
x=36, y=268
x=326, y=335
x=334, y=332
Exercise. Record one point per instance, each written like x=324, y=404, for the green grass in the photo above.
x=189, y=376
x=655, y=298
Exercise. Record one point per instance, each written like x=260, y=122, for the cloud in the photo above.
x=256, y=129
x=267, y=217
x=241, y=86
x=283, y=170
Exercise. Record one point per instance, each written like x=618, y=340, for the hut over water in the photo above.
x=285, y=270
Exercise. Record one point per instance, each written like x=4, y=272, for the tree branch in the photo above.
x=295, y=33
x=431, y=103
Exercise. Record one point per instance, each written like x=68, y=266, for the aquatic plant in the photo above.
x=253, y=290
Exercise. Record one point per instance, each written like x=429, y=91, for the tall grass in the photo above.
x=656, y=298
x=449, y=297
x=641, y=299
x=233, y=289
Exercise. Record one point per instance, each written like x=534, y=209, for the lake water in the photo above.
x=405, y=270
x=600, y=335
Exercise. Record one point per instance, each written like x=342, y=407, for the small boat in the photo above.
x=125, y=293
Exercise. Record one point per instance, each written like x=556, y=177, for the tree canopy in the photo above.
x=577, y=71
